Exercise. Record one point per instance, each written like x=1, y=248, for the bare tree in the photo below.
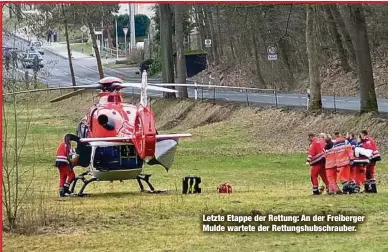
x=315, y=103
x=364, y=64
x=16, y=184
x=343, y=30
x=337, y=38
x=166, y=46
x=96, y=51
x=68, y=46
x=180, y=52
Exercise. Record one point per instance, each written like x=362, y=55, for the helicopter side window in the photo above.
x=106, y=158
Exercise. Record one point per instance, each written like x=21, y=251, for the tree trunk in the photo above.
x=214, y=46
x=96, y=51
x=109, y=35
x=180, y=55
x=344, y=34
x=315, y=102
x=68, y=48
x=207, y=33
x=257, y=61
x=219, y=31
x=364, y=64
x=10, y=6
x=337, y=38
x=166, y=46
x=201, y=28
x=284, y=50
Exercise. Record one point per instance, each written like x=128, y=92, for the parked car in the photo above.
x=28, y=59
x=36, y=45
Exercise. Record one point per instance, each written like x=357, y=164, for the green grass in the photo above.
x=74, y=32
x=86, y=48
x=114, y=65
x=82, y=48
x=116, y=217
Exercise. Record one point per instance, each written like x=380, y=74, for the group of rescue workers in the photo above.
x=350, y=160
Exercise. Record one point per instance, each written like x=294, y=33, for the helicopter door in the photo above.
x=84, y=151
x=129, y=158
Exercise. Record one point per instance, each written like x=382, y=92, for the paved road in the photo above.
x=56, y=71
x=56, y=68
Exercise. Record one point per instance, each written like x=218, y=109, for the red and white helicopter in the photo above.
x=115, y=139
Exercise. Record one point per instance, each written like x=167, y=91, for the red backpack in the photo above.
x=225, y=188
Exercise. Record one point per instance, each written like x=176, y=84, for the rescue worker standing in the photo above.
x=316, y=159
x=65, y=162
x=369, y=143
x=344, y=172
x=353, y=168
x=358, y=166
x=339, y=154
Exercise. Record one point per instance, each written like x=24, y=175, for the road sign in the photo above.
x=271, y=50
x=84, y=28
x=208, y=42
x=272, y=57
x=125, y=31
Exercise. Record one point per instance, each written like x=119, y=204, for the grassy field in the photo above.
x=116, y=217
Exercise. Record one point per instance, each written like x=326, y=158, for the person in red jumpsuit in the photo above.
x=316, y=159
x=339, y=156
x=370, y=180
x=65, y=163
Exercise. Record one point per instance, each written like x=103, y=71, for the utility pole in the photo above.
x=132, y=22
x=117, y=40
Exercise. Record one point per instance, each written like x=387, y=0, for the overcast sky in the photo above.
x=145, y=9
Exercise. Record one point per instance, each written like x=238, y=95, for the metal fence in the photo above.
x=198, y=92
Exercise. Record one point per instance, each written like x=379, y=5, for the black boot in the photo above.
x=345, y=188
x=373, y=186
x=315, y=190
x=66, y=189
x=356, y=189
x=62, y=193
x=368, y=188
x=352, y=186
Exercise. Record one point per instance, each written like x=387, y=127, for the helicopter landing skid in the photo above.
x=84, y=180
x=146, y=178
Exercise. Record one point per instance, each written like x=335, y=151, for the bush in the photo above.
x=155, y=67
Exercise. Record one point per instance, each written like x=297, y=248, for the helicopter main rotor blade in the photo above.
x=149, y=87
x=66, y=96
x=92, y=86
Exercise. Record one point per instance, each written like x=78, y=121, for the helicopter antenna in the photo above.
x=143, y=92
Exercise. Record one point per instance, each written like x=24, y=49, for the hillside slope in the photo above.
x=277, y=130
